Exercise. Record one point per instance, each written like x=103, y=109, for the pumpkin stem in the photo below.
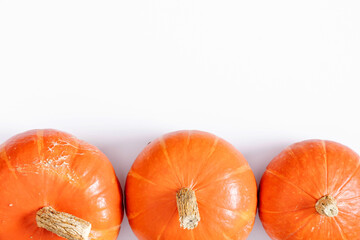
x=189, y=215
x=63, y=224
x=326, y=206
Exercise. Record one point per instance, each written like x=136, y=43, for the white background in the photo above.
x=260, y=74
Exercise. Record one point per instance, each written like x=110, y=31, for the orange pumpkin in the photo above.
x=190, y=185
x=51, y=180
x=311, y=190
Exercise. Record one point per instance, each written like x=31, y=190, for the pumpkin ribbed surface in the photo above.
x=190, y=166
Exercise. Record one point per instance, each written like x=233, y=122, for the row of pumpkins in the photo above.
x=184, y=185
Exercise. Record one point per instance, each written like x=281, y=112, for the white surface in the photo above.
x=260, y=74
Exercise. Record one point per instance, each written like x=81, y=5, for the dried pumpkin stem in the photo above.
x=189, y=215
x=326, y=206
x=63, y=224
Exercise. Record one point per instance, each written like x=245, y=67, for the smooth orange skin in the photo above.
x=51, y=168
x=297, y=178
x=223, y=182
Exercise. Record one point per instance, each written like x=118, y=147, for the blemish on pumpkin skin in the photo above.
x=51, y=148
x=325, y=166
x=248, y=227
x=57, y=162
x=213, y=147
x=166, y=154
x=240, y=170
x=163, y=148
x=284, y=179
x=188, y=139
x=290, y=151
x=165, y=225
x=40, y=142
x=244, y=215
x=58, y=166
x=65, y=143
x=60, y=143
x=226, y=236
x=137, y=176
x=204, y=161
x=5, y=157
x=340, y=229
x=281, y=212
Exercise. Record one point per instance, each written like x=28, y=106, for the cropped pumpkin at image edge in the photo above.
x=311, y=190
x=54, y=186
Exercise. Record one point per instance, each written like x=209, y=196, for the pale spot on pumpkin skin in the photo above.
x=57, y=161
x=226, y=236
x=5, y=157
x=326, y=167
x=240, y=170
x=101, y=202
x=248, y=227
x=51, y=148
x=339, y=191
x=247, y=215
x=290, y=151
x=93, y=187
x=188, y=139
x=166, y=154
x=203, y=163
x=192, y=235
x=277, y=212
x=59, y=165
x=61, y=142
x=165, y=226
x=163, y=149
x=55, y=166
x=213, y=147
x=300, y=228
x=40, y=143
x=138, y=176
x=340, y=229
x=244, y=215
x=134, y=215
x=284, y=179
